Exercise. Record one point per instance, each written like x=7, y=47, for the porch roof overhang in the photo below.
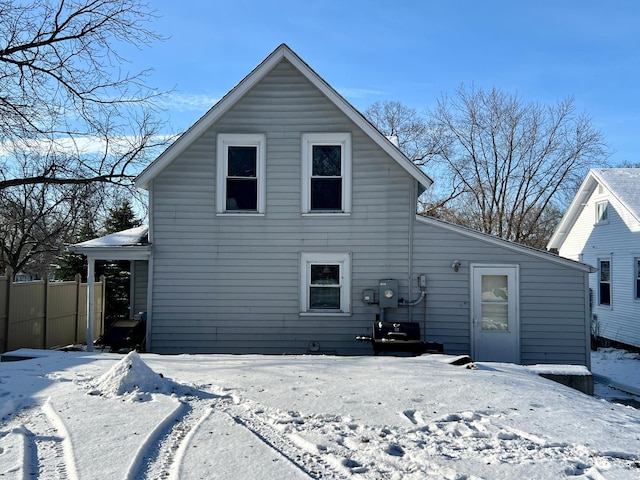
x=131, y=244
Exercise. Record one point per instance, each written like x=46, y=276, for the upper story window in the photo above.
x=326, y=173
x=241, y=173
x=604, y=283
x=602, y=212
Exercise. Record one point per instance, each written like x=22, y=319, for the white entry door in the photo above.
x=495, y=324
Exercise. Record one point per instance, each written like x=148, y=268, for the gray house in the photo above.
x=282, y=221
x=602, y=227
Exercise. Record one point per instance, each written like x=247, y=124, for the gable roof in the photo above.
x=622, y=183
x=283, y=52
x=500, y=242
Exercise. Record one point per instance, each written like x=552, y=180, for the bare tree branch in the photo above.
x=501, y=166
x=409, y=129
x=62, y=78
x=518, y=163
x=76, y=122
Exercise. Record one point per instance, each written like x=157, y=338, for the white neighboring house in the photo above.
x=602, y=228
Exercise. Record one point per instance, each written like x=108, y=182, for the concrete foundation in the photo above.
x=574, y=376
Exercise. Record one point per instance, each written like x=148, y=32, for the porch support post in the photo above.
x=90, y=288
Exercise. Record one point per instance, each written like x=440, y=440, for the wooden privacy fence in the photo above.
x=44, y=314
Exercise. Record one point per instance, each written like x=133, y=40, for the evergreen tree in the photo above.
x=70, y=264
x=118, y=272
x=121, y=218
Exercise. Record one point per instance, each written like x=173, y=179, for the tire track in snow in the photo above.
x=46, y=447
x=178, y=449
x=65, y=444
x=158, y=455
x=313, y=465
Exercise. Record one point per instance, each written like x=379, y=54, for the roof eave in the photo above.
x=127, y=252
x=573, y=212
x=492, y=239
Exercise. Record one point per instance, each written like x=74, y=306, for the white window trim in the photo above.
x=344, y=260
x=308, y=141
x=636, y=259
x=605, y=258
x=606, y=204
x=225, y=140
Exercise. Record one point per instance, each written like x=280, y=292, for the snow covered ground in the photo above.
x=80, y=415
x=618, y=368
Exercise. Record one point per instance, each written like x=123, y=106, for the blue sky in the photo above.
x=412, y=52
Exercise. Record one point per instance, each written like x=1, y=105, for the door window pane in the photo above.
x=495, y=288
x=495, y=302
x=495, y=316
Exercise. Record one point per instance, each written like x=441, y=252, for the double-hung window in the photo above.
x=604, y=282
x=241, y=173
x=325, y=283
x=326, y=172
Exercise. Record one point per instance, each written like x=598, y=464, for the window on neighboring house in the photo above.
x=602, y=212
x=605, y=282
x=325, y=283
x=637, y=275
x=326, y=160
x=241, y=175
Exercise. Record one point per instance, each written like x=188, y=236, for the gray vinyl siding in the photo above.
x=553, y=308
x=140, y=281
x=231, y=283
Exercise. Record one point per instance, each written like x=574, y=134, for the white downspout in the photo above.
x=90, y=289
